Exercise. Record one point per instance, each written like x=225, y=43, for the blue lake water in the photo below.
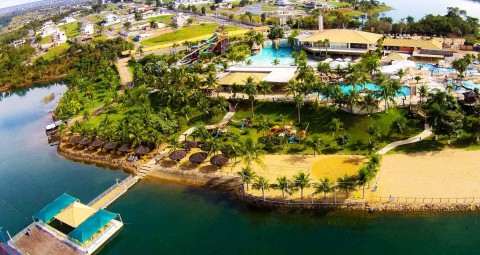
x=164, y=218
x=418, y=9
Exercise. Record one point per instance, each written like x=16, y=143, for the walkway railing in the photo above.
x=288, y=202
x=106, y=192
x=22, y=233
x=426, y=200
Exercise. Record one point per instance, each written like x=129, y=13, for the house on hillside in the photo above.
x=88, y=29
x=180, y=19
x=48, y=28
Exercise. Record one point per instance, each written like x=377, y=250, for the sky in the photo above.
x=8, y=3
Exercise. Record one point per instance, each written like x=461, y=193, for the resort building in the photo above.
x=317, y=5
x=180, y=19
x=191, y=2
x=354, y=43
x=66, y=226
x=58, y=38
x=282, y=2
x=277, y=76
x=66, y=20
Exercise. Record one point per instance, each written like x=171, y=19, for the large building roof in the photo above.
x=423, y=44
x=344, y=36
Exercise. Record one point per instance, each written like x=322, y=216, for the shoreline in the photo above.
x=234, y=185
x=33, y=83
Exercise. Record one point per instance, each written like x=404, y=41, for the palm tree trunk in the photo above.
x=299, y=115
x=263, y=194
x=324, y=195
x=283, y=193
x=252, y=109
x=301, y=193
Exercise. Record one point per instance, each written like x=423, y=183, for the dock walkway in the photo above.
x=114, y=192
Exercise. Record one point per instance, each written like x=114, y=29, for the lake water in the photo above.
x=163, y=218
x=419, y=8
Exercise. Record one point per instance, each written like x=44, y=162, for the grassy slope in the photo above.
x=184, y=33
x=319, y=120
x=71, y=29
x=465, y=141
x=56, y=51
x=167, y=19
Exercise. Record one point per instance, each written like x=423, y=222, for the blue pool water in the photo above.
x=405, y=91
x=440, y=70
x=268, y=54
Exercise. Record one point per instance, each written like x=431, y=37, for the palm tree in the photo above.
x=353, y=98
x=346, y=183
x=276, y=62
x=282, y=184
x=250, y=152
x=336, y=125
x=369, y=103
x=324, y=186
x=251, y=90
x=247, y=175
x=265, y=87
x=261, y=183
x=324, y=43
x=174, y=143
x=299, y=101
x=210, y=80
x=215, y=145
x=140, y=50
x=302, y=180
x=315, y=143
x=423, y=91
x=418, y=79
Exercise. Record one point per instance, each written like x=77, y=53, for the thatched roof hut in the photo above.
x=177, y=155
x=124, y=147
x=141, y=150
x=97, y=143
x=110, y=146
x=188, y=145
x=198, y=157
x=85, y=141
x=74, y=139
x=219, y=160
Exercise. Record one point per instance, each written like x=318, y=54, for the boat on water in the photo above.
x=51, y=129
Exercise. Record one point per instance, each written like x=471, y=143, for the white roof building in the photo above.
x=180, y=19
x=110, y=19
x=88, y=29
x=48, y=28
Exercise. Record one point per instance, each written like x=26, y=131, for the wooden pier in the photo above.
x=110, y=195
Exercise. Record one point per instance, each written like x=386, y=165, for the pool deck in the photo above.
x=42, y=242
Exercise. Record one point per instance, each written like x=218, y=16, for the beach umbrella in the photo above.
x=198, y=157
x=339, y=60
x=74, y=139
x=124, y=147
x=177, y=155
x=219, y=160
x=85, y=141
x=141, y=150
x=190, y=144
x=227, y=150
x=110, y=146
x=328, y=60
x=97, y=143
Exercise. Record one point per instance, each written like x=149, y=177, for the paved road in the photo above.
x=124, y=72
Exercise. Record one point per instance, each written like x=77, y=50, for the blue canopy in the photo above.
x=91, y=225
x=52, y=209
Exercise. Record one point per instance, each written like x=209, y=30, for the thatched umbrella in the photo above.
x=74, y=139
x=177, y=155
x=85, y=141
x=189, y=144
x=219, y=160
x=97, y=143
x=110, y=146
x=141, y=150
x=124, y=148
x=198, y=157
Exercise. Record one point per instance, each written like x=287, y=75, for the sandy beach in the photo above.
x=444, y=174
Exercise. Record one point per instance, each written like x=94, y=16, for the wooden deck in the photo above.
x=115, y=192
x=41, y=242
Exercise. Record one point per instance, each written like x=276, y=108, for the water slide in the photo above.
x=207, y=45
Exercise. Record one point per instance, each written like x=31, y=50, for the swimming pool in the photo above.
x=440, y=70
x=268, y=54
x=404, y=91
x=346, y=89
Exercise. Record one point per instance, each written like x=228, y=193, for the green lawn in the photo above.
x=184, y=33
x=71, y=29
x=465, y=141
x=318, y=120
x=56, y=51
x=167, y=19
x=46, y=39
